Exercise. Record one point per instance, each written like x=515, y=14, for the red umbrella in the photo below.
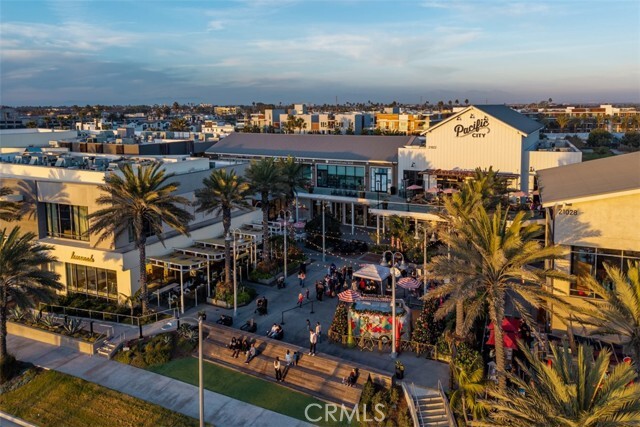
x=408, y=283
x=510, y=328
x=349, y=296
x=519, y=194
x=414, y=187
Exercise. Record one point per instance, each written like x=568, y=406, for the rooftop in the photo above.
x=324, y=147
x=603, y=177
x=504, y=113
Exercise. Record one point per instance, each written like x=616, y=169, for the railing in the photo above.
x=106, y=316
x=412, y=406
x=447, y=409
x=371, y=343
x=413, y=392
x=296, y=308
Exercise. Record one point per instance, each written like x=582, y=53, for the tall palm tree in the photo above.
x=491, y=257
x=292, y=177
x=563, y=120
x=471, y=387
x=265, y=178
x=142, y=201
x=574, y=391
x=223, y=191
x=22, y=277
x=179, y=125
x=9, y=211
x=617, y=312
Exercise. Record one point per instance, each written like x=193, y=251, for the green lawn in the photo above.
x=594, y=156
x=56, y=399
x=246, y=388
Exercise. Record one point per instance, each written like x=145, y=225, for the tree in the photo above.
x=265, y=178
x=631, y=139
x=490, y=258
x=600, y=137
x=222, y=192
x=427, y=329
x=179, y=125
x=292, y=177
x=9, y=210
x=139, y=201
x=471, y=386
x=22, y=279
x=617, y=311
x=576, y=390
x=563, y=120
x=466, y=102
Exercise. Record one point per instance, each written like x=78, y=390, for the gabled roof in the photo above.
x=329, y=147
x=503, y=113
x=603, y=177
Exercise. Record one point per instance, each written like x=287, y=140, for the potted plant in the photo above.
x=399, y=370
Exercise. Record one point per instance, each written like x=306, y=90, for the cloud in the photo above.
x=215, y=25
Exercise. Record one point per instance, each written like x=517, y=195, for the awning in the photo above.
x=219, y=243
x=178, y=262
x=461, y=173
x=510, y=327
x=202, y=251
x=373, y=272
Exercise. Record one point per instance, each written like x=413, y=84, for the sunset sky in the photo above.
x=121, y=52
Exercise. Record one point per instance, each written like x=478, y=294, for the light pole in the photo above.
x=321, y=204
x=383, y=262
x=287, y=213
x=202, y=316
x=234, y=232
x=424, y=254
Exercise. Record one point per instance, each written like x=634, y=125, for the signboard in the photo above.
x=477, y=129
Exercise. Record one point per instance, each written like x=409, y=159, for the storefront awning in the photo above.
x=219, y=243
x=211, y=254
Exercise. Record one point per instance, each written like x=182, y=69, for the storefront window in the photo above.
x=381, y=179
x=339, y=176
x=91, y=281
x=67, y=221
x=587, y=262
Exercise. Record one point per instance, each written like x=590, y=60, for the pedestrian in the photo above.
x=288, y=358
x=307, y=294
x=308, y=324
x=302, y=277
x=278, y=369
x=251, y=353
x=318, y=330
x=300, y=299
x=313, y=340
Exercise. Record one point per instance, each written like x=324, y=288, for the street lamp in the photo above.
x=234, y=232
x=424, y=253
x=202, y=316
x=287, y=213
x=321, y=204
x=384, y=263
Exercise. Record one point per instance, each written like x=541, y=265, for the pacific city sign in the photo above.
x=477, y=129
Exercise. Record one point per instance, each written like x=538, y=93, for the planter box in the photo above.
x=52, y=338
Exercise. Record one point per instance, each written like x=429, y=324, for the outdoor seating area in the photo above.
x=321, y=376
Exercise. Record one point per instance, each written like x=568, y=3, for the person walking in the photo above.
x=302, y=277
x=278, y=368
x=307, y=295
x=318, y=330
x=313, y=340
x=300, y=299
x=288, y=359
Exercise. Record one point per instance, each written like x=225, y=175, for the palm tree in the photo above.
x=223, y=191
x=491, y=257
x=563, y=120
x=265, y=178
x=617, y=312
x=179, y=125
x=471, y=386
x=9, y=211
x=139, y=202
x=575, y=390
x=22, y=278
x=292, y=177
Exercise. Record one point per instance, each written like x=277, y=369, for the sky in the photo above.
x=313, y=51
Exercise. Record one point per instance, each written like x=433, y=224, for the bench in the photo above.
x=320, y=376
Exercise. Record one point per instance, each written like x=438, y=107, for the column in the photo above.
x=352, y=219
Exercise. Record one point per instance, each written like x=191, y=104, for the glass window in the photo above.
x=92, y=281
x=112, y=283
x=81, y=274
x=339, y=176
x=66, y=221
x=587, y=262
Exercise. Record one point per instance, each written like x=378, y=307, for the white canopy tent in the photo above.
x=376, y=273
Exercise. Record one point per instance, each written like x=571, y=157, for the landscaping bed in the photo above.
x=51, y=398
x=69, y=327
x=159, y=349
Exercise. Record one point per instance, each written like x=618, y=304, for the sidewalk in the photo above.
x=166, y=392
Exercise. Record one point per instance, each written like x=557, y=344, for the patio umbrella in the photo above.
x=433, y=190
x=450, y=191
x=299, y=225
x=414, y=187
x=519, y=194
x=535, y=193
x=349, y=296
x=408, y=283
x=510, y=328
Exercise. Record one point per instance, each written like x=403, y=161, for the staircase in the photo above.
x=110, y=346
x=320, y=376
x=428, y=406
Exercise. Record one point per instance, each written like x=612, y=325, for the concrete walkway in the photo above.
x=154, y=388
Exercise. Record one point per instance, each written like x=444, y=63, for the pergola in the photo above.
x=181, y=263
x=210, y=254
x=248, y=244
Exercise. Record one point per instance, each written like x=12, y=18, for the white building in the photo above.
x=482, y=136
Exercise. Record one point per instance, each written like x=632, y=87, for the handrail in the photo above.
x=295, y=308
x=106, y=316
x=413, y=390
x=447, y=409
x=412, y=407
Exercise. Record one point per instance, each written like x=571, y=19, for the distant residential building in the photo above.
x=225, y=111
x=10, y=119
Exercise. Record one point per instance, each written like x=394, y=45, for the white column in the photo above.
x=353, y=216
x=181, y=293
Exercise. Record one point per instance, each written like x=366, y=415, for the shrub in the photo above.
x=49, y=321
x=72, y=326
x=18, y=314
x=467, y=357
x=368, y=390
